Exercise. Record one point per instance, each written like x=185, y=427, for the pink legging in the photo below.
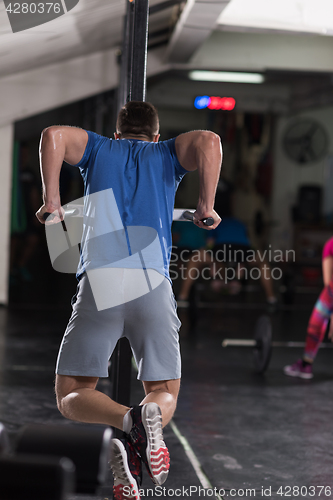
x=318, y=321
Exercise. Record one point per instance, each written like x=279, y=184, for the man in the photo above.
x=143, y=175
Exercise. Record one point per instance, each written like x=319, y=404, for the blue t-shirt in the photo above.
x=129, y=193
x=232, y=231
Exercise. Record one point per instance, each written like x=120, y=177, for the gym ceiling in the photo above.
x=182, y=36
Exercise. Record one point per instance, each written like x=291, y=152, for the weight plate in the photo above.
x=263, y=336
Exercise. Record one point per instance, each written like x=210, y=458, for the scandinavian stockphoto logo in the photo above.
x=25, y=15
x=93, y=239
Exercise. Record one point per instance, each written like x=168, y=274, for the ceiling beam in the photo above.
x=195, y=24
x=163, y=6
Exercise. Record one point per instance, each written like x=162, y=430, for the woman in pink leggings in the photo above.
x=322, y=312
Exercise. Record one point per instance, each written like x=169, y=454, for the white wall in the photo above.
x=289, y=176
x=6, y=160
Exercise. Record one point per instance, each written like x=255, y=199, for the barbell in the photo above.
x=262, y=344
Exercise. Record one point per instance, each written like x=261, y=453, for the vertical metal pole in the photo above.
x=124, y=90
x=121, y=372
x=139, y=65
x=132, y=88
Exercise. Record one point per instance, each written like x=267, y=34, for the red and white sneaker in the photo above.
x=298, y=370
x=147, y=437
x=126, y=468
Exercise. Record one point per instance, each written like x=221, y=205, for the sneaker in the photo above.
x=126, y=469
x=298, y=370
x=147, y=437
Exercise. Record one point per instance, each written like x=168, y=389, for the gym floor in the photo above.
x=250, y=435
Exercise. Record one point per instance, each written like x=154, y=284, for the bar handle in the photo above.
x=208, y=221
x=68, y=212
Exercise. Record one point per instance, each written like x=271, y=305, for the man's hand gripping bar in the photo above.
x=209, y=221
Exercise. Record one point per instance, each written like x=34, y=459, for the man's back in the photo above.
x=128, y=183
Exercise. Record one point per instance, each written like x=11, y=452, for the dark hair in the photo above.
x=138, y=118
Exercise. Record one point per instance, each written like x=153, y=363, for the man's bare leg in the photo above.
x=165, y=394
x=78, y=399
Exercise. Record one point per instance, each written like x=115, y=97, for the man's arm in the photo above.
x=58, y=144
x=201, y=150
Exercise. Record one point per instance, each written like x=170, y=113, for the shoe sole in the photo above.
x=120, y=469
x=298, y=374
x=157, y=454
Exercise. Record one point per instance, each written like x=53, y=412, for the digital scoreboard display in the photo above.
x=214, y=102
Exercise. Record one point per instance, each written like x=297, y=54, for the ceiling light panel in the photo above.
x=226, y=76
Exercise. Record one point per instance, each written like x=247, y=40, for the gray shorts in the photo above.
x=149, y=322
